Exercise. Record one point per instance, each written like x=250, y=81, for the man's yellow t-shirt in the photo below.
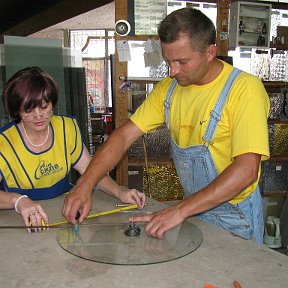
x=242, y=128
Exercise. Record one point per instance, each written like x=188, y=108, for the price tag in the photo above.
x=278, y=168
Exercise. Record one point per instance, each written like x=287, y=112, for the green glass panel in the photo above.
x=21, y=52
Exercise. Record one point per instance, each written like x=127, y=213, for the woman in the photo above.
x=37, y=149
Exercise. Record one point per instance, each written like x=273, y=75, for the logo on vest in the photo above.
x=46, y=169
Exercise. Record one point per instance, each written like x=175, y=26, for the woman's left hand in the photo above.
x=132, y=196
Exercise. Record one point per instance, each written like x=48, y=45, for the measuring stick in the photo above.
x=43, y=227
x=99, y=214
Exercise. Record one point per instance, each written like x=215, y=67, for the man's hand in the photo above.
x=77, y=200
x=161, y=221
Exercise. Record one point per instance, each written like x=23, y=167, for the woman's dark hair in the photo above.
x=27, y=89
x=192, y=22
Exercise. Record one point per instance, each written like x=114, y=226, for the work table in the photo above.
x=37, y=260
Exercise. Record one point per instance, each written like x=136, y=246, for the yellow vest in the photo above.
x=40, y=175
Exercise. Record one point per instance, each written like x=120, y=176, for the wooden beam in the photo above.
x=121, y=98
x=222, y=27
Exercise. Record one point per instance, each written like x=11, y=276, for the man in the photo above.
x=218, y=135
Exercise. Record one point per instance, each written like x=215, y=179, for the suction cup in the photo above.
x=133, y=230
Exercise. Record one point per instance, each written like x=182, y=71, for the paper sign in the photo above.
x=123, y=51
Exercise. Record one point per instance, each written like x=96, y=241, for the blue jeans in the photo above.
x=196, y=169
x=244, y=219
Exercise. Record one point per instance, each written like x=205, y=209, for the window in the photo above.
x=96, y=46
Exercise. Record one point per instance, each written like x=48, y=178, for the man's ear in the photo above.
x=211, y=52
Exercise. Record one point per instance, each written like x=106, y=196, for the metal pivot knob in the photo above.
x=133, y=230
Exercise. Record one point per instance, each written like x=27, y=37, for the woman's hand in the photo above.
x=132, y=196
x=33, y=214
x=124, y=194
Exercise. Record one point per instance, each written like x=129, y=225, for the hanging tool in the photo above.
x=147, y=166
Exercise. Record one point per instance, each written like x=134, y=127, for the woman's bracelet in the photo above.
x=17, y=201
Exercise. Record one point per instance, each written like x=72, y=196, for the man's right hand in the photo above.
x=78, y=199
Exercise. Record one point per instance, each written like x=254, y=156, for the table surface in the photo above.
x=37, y=260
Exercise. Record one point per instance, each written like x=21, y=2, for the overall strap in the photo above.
x=215, y=114
x=167, y=103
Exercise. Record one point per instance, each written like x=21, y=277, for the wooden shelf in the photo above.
x=275, y=84
x=278, y=158
x=142, y=37
x=277, y=121
x=150, y=162
x=283, y=193
x=279, y=46
x=145, y=80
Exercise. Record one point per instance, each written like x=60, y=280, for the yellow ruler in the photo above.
x=99, y=214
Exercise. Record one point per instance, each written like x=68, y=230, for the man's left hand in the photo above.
x=161, y=221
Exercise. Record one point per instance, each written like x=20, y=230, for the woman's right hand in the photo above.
x=33, y=214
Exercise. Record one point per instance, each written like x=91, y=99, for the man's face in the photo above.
x=186, y=65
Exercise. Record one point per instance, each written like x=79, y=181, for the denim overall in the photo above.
x=196, y=169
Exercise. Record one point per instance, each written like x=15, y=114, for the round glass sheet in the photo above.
x=104, y=240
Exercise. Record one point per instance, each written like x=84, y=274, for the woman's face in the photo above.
x=38, y=118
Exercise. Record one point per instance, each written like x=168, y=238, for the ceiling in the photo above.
x=24, y=17
x=13, y=12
